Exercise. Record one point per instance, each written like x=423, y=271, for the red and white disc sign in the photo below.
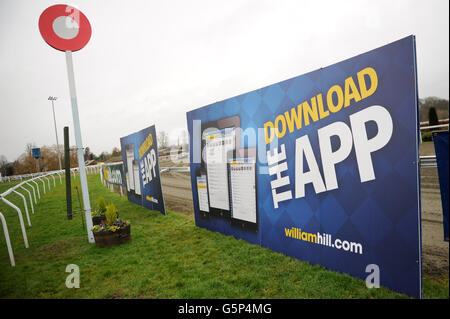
x=64, y=28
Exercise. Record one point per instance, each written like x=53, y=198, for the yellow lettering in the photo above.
x=362, y=83
x=309, y=111
x=354, y=94
x=304, y=236
x=280, y=118
x=322, y=113
x=288, y=232
x=294, y=117
x=148, y=142
x=340, y=95
x=337, y=98
x=268, y=133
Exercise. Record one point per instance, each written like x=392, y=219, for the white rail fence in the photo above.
x=429, y=161
x=32, y=182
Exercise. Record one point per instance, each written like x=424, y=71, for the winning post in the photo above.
x=67, y=29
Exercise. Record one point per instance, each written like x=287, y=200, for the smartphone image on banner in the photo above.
x=243, y=196
x=129, y=149
x=202, y=191
x=218, y=145
x=136, y=179
x=219, y=141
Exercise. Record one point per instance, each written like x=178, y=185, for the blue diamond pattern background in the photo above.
x=383, y=214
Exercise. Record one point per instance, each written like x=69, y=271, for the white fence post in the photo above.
x=8, y=241
x=24, y=204
x=22, y=226
x=43, y=183
x=31, y=198
x=37, y=185
x=48, y=181
x=34, y=192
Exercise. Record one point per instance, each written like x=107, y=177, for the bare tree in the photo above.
x=432, y=117
x=48, y=161
x=28, y=148
x=440, y=105
x=163, y=139
x=3, y=164
x=116, y=152
x=87, y=153
x=184, y=140
x=104, y=156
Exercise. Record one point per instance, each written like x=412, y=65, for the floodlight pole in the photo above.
x=51, y=98
x=77, y=131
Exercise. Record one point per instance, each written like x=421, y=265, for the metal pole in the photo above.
x=79, y=142
x=67, y=169
x=56, y=133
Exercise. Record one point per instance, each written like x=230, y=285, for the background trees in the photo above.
x=439, y=105
x=163, y=139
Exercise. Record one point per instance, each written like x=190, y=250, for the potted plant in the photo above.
x=98, y=215
x=113, y=231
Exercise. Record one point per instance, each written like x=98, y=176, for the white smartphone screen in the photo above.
x=243, y=189
x=218, y=145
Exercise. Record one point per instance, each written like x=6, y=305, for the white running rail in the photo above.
x=29, y=180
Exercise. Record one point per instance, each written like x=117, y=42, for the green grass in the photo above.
x=167, y=257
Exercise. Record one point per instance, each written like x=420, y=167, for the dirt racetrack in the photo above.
x=435, y=251
x=177, y=192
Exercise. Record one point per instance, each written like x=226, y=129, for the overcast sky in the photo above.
x=149, y=62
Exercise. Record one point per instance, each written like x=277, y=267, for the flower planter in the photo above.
x=110, y=238
x=97, y=220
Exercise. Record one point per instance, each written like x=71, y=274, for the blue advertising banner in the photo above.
x=322, y=167
x=441, y=147
x=141, y=168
